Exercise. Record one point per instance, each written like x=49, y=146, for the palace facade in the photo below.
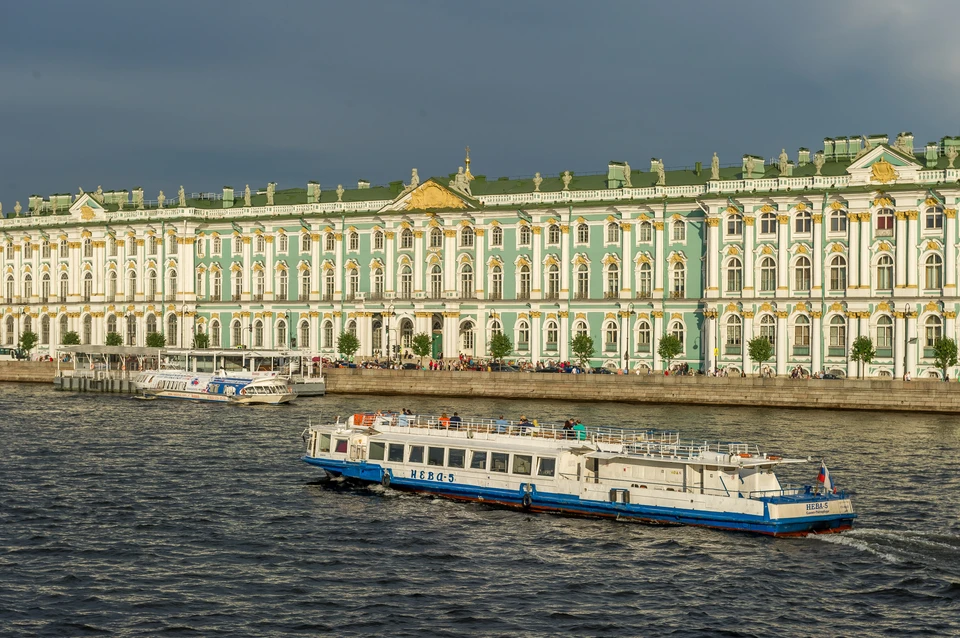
x=859, y=239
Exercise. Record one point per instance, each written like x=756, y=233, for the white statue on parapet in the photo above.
x=271, y=189
x=951, y=154
x=246, y=195
x=160, y=200
x=17, y=208
x=99, y=195
x=537, y=180
x=414, y=180
x=566, y=178
x=182, y=197
x=460, y=182
x=749, y=165
x=138, y=198
x=661, y=173
x=783, y=162
x=818, y=161
x=715, y=167
x=627, y=183
x=340, y=192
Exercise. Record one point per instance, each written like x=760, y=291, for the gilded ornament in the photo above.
x=950, y=213
x=817, y=218
x=783, y=219
x=767, y=208
x=748, y=221
x=836, y=205
x=883, y=172
x=713, y=222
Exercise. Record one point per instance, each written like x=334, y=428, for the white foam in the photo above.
x=841, y=539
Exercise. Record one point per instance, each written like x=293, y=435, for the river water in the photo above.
x=131, y=518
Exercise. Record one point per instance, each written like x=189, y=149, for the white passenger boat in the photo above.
x=649, y=476
x=238, y=387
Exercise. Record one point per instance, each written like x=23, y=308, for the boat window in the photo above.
x=324, y=442
x=416, y=454
x=435, y=455
x=522, y=464
x=478, y=461
x=456, y=458
x=547, y=467
x=395, y=453
x=377, y=451
x=498, y=461
x=341, y=446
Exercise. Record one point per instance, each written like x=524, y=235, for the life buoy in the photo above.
x=744, y=455
x=385, y=479
x=123, y=366
x=91, y=365
x=774, y=457
x=527, y=499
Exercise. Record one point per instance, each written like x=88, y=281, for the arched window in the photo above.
x=352, y=327
x=406, y=333
x=10, y=329
x=9, y=292
x=151, y=323
x=467, y=337
x=802, y=223
x=933, y=219
x=553, y=282
x=768, y=274
x=87, y=247
x=353, y=283
x=28, y=251
x=281, y=334
x=583, y=282
x=523, y=234
x=436, y=282
x=885, y=273
x=613, y=233
x=304, y=340
x=406, y=282
x=378, y=240
x=610, y=337
x=406, y=238
x=304, y=294
x=215, y=340
x=64, y=325
x=172, y=332
x=552, y=334
x=436, y=238
x=645, y=232
x=131, y=284
x=306, y=243
x=884, y=333
x=643, y=336
x=283, y=244
x=523, y=283
x=801, y=275
x=28, y=286
x=838, y=335
x=583, y=233
x=377, y=280
x=87, y=286
x=151, y=285
x=934, y=272
x=237, y=245
x=466, y=281
x=87, y=330
x=496, y=282
x=838, y=221
x=613, y=281
x=172, y=243
x=236, y=334
x=353, y=240
x=523, y=335
x=64, y=287
x=679, y=230
x=496, y=236
x=171, y=284
x=838, y=273
x=933, y=331
x=768, y=329
x=580, y=329
x=768, y=224
x=735, y=225
x=283, y=289
x=328, y=284
x=645, y=280
x=553, y=234
x=495, y=327
x=801, y=332
x=64, y=247
x=734, y=275
x=258, y=334
x=259, y=244
x=327, y=334
x=734, y=334
x=45, y=330
x=45, y=249
x=679, y=280
x=884, y=218
x=677, y=330
x=329, y=242
x=466, y=238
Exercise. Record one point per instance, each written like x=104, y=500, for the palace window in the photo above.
x=354, y=241
x=328, y=334
x=258, y=334
x=583, y=233
x=172, y=332
x=466, y=237
x=329, y=242
x=885, y=273
x=838, y=221
x=801, y=275
x=613, y=282
x=768, y=329
x=679, y=231
x=28, y=286
x=645, y=232
x=496, y=283
x=613, y=233
x=933, y=331
x=217, y=286
x=132, y=245
x=884, y=219
x=643, y=336
x=580, y=329
x=87, y=286
x=467, y=337
x=353, y=283
x=436, y=282
x=496, y=237
x=838, y=273
x=377, y=282
x=677, y=330
x=768, y=274
x=305, y=279
x=283, y=243
x=198, y=285
x=152, y=320
x=88, y=330
x=934, y=272
x=406, y=333
x=87, y=247
x=378, y=240
x=406, y=239
x=583, y=282
x=64, y=287
x=216, y=246
x=678, y=290
x=45, y=330
x=933, y=219
x=45, y=287
x=214, y=334
x=768, y=224
x=524, y=235
x=172, y=243
x=838, y=332
x=406, y=282
x=553, y=235
x=803, y=222
x=306, y=242
x=610, y=337
x=523, y=285
x=523, y=336
x=735, y=226
x=801, y=332
x=237, y=246
x=436, y=238
x=734, y=334
x=553, y=282
x=282, y=285
x=466, y=281
x=151, y=291
x=237, y=284
x=62, y=251
x=282, y=334
x=645, y=280
x=552, y=334
x=328, y=284
x=884, y=333
x=734, y=275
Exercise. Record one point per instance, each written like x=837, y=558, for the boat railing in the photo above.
x=784, y=490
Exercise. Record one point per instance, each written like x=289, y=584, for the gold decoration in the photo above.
x=836, y=306
x=931, y=306
x=883, y=306
x=883, y=172
x=949, y=314
x=817, y=218
x=748, y=314
x=800, y=307
x=783, y=219
x=713, y=221
x=882, y=202
x=836, y=205
x=950, y=213
x=767, y=250
x=802, y=249
x=86, y=213
x=816, y=314
x=658, y=225
x=930, y=201
x=801, y=206
x=932, y=245
x=767, y=208
x=836, y=248
x=883, y=246
x=748, y=221
x=731, y=307
x=676, y=315
x=431, y=195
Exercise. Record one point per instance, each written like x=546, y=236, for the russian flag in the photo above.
x=824, y=477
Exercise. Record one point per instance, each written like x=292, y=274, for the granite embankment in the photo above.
x=852, y=394
x=28, y=371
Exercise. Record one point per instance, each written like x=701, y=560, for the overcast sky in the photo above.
x=206, y=93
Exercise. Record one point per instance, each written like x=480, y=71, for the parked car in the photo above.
x=503, y=367
x=553, y=369
x=830, y=375
x=411, y=366
x=602, y=370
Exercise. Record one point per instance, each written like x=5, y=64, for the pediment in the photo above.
x=431, y=195
x=86, y=208
x=883, y=165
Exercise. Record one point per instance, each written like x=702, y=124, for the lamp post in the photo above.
x=386, y=324
x=629, y=331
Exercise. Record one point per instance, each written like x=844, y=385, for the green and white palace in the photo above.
x=859, y=238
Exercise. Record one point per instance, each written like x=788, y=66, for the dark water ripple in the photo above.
x=127, y=518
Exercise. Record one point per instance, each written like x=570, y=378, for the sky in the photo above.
x=210, y=93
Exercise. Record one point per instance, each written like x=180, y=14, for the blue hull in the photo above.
x=540, y=501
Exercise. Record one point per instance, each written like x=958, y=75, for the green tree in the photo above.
x=347, y=344
x=760, y=350
x=422, y=345
x=500, y=346
x=670, y=346
x=114, y=339
x=156, y=340
x=27, y=341
x=945, y=354
x=582, y=348
x=70, y=338
x=863, y=352
x=201, y=340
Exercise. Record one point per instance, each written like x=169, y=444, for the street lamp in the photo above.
x=386, y=323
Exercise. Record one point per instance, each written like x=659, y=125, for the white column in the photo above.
x=748, y=257
x=565, y=267
x=710, y=339
x=781, y=343
x=247, y=265
x=950, y=331
x=655, y=337
x=536, y=269
x=565, y=335
x=390, y=284
x=816, y=342
x=535, y=337
x=902, y=247
x=659, y=263
x=449, y=262
x=817, y=256
x=338, y=289
x=911, y=333
x=480, y=270
x=865, y=230
x=853, y=252
x=747, y=365
x=270, y=293
x=913, y=225
x=316, y=274
x=626, y=276
x=950, y=255
x=713, y=260
x=418, y=285
x=783, y=262
x=899, y=342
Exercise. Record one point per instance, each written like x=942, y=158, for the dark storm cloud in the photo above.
x=212, y=93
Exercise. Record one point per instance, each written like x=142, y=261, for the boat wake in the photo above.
x=934, y=549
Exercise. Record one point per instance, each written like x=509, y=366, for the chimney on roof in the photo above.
x=803, y=156
x=828, y=146
x=363, y=184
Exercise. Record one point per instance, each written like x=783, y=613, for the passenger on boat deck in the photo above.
x=501, y=425
x=568, y=429
x=402, y=418
x=524, y=423
x=581, y=430
x=455, y=421
x=444, y=420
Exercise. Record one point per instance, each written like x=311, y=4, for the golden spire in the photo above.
x=467, y=162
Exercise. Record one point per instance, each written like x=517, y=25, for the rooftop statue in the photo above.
x=567, y=178
x=626, y=175
x=414, y=180
x=271, y=189
x=661, y=174
x=783, y=162
x=749, y=166
x=537, y=180
x=99, y=195
x=160, y=200
x=340, y=192
x=951, y=155
x=17, y=208
x=119, y=203
x=461, y=182
x=138, y=198
x=903, y=145
x=818, y=161
x=715, y=167
x=246, y=195
x=182, y=197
